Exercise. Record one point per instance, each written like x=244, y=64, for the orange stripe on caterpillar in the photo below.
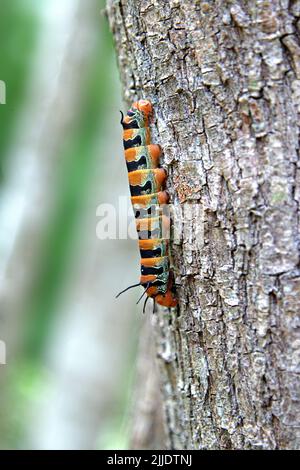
x=139, y=177
x=151, y=244
x=131, y=134
x=153, y=150
x=151, y=223
x=153, y=261
x=162, y=197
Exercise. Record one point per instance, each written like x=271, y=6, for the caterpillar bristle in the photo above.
x=145, y=303
x=144, y=293
x=127, y=288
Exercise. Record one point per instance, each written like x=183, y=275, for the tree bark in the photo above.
x=224, y=78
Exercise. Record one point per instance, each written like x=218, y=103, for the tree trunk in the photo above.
x=224, y=78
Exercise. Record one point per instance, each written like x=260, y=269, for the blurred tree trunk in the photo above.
x=224, y=78
x=147, y=427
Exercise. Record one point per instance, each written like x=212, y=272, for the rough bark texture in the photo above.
x=224, y=78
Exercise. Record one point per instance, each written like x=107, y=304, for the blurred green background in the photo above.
x=70, y=346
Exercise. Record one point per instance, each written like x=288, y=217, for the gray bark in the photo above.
x=224, y=78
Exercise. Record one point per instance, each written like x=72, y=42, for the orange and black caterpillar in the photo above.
x=146, y=181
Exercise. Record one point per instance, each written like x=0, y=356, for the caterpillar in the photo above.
x=146, y=182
